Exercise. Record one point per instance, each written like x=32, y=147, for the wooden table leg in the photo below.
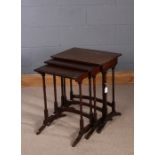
x=90, y=101
x=62, y=93
x=55, y=95
x=81, y=119
x=94, y=123
x=64, y=102
x=106, y=116
x=104, y=106
x=114, y=112
x=71, y=89
x=65, y=97
x=45, y=122
x=94, y=91
x=58, y=112
x=104, y=95
x=49, y=119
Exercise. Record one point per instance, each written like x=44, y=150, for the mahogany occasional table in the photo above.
x=105, y=60
x=78, y=64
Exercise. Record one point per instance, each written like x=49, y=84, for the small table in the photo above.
x=76, y=75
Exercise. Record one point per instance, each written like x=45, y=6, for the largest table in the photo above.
x=105, y=60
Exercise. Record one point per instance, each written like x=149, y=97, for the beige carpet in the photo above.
x=115, y=139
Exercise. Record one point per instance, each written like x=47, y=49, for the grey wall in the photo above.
x=51, y=26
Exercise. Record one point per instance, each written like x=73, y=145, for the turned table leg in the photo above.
x=55, y=95
x=81, y=118
x=90, y=101
x=104, y=105
x=71, y=89
x=94, y=123
x=104, y=95
x=45, y=122
x=62, y=93
x=65, y=97
x=49, y=119
x=105, y=116
x=114, y=112
x=94, y=92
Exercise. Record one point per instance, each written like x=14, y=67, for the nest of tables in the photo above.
x=79, y=64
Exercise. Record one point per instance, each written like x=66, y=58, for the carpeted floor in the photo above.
x=115, y=139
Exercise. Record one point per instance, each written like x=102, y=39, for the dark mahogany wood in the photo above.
x=71, y=89
x=77, y=75
x=104, y=106
x=55, y=95
x=114, y=112
x=47, y=119
x=90, y=100
x=62, y=92
x=92, y=69
x=73, y=65
x=84, y=104
x=87, y=56
x=78, y=64
x=106, y=60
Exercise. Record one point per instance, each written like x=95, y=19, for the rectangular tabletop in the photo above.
x=87, y=56
x=92, y=69
x=64, y=72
